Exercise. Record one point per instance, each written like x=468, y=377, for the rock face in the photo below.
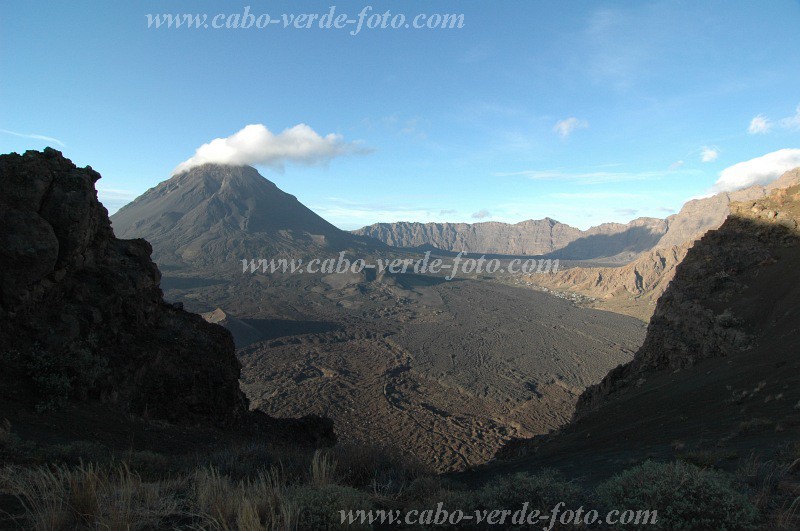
x=702, y=315
x=533, y=237
x=701, y=215
x=84, y=309
x=214, y=214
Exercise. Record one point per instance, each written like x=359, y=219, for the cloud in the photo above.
x=760, y=170
x=626, y=211
x=482, y=214
x=591, y=177
x=596, y=195
x=709, y=154
x=255, y=144
x=34, y=136
x=566, y=127
x=759, y=125
x=666, y=210
x=675, y=165
x=792, y=122
x=447, y=211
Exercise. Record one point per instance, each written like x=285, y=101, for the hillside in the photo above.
x=631, y=289
x=717, y=378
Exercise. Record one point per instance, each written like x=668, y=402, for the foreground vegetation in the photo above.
x=256, y=486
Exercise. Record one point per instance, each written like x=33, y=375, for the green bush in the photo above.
x=318, y=507
x=685, y=497
x=542, y=491
x=58, y=377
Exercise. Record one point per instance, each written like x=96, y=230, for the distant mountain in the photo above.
x=215, y=213
x=633, y=288
x=533, y=237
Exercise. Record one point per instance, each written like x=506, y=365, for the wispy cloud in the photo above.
x=760, y=170
x=626, y=211
x=676, y=165
x=792, y=122
x=617, y=51
x=34, y=136
x=255, y=144
x=709, y=154
x=759, y=125
x=564, y=128
x=349, y=214
x=595, y=195
x=481, y=214
x=591, y=177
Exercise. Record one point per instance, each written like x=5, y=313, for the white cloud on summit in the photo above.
x=255, y=144
x=760, y=170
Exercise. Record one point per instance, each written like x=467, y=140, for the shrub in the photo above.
x=386, y=472
x=319, y=507
x=5, y=433
x=684, y=496
x=542, y=491
x=58, y=377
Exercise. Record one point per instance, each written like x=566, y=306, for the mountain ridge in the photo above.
x=544, y=236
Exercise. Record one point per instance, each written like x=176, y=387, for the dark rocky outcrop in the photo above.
x=82, y=315
x=70, y=289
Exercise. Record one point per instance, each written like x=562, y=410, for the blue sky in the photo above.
x=585, y=112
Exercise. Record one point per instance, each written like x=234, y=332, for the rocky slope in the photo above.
x=218, y=214
x=82, y=316
x=701, y=315
x=631, y=289
x=717, y=379
x=532, y=237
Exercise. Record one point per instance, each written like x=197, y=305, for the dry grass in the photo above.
x=323, y=469
x=89, y=497
x=251, y=504
x=5, y=433
x=240, y=487
x=789, y=516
